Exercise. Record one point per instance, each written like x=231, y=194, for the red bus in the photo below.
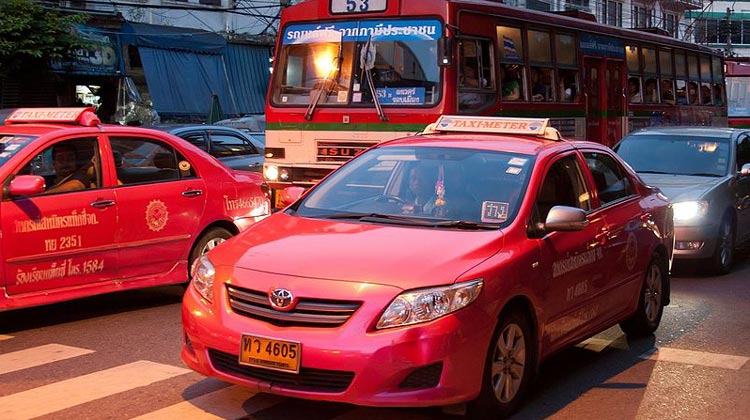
x=348, y=74
x=738, y=91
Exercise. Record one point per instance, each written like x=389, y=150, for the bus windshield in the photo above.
x=738, y=96
x=346, y=63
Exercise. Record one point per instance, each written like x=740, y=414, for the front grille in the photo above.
x=423, y=377
x=324, y=313
x=307, y=379
x=302, y=175
x=340, y=151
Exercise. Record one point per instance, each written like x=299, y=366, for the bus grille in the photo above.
x=322, y=313
x=340, y=151
x=307, y=379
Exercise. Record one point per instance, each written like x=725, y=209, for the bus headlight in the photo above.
x=271, y=172
x=428, y=304
x=203, y=277
x=284, y=174
x=689, y=210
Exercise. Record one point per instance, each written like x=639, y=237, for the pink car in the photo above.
x=435, y=269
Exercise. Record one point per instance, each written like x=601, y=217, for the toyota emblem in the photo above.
x=281, y=299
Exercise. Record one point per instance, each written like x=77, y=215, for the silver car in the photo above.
x=705, y=172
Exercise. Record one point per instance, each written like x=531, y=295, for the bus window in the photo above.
x=511, y=78
x=634, y=90
x=692, y=92
x=718, y=93
x=510, y=44
x=631, y=52
x=649, y=60
x=706, y=94
x=568, y=80
x=682, y=92
x=680, y=68
x=667, y=91
x=565, y=49
x=650, y=92
x=540, y=83
x=665, y=63
x=475, y=81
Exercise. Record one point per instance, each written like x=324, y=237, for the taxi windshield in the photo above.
x=424, y=186
x=357, y=62
x=677, y=154
x=10, y=144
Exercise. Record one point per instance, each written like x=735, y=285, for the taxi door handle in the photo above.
x=192, y=193
x=103, y=204
x=602, y=237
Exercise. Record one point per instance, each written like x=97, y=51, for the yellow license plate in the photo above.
x=269, y=353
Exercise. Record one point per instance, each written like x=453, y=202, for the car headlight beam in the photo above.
x=425, y=305
x=203, y=273
x=689, y=210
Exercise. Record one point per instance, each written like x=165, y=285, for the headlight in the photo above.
x=689, y=210
x=203, y=277
x=428, y=304
x=272, y=173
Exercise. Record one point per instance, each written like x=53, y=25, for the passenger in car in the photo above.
x=68, y=177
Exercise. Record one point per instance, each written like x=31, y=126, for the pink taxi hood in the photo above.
x=395, y=255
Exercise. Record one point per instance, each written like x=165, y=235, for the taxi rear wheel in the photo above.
x=509, y=368
x=208, y=241
x=647, y=317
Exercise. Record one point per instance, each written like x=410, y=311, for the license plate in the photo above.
x=270, y=353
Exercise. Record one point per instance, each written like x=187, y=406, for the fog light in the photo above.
x=688, y=245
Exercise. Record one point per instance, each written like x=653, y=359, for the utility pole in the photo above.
x=729, y=52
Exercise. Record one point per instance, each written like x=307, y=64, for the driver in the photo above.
x=421, y=198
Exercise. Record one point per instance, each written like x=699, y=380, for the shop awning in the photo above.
x=172, y=38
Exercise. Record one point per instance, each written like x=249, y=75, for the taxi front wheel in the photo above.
x=210, y=239
x=647, y=317
x=509, y=368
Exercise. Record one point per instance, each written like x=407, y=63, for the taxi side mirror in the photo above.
x=564, y=218
x=290, y=194
x=25, y=185
x=745, y=170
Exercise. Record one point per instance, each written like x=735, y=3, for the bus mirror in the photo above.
x=445, y=51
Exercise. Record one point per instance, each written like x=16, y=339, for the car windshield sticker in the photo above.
x=494, y=211
x=514, y=170
x=517, y=161
x=10, y=145
x=184, y=165
x=156, y=215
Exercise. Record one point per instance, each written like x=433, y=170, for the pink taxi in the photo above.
x=90, y=208
x=435, y=269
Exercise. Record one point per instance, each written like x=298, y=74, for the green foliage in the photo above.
x=31, y=35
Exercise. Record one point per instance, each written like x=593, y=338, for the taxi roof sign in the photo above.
x=84, y=116
x=494, y=125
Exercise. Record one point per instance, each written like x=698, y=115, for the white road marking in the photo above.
x=37, y=356
x=69, y=393
x=227, y=403
x=5, y=337
x=724, y=361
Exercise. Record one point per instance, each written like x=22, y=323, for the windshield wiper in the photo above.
x=655, y=172
x=366, y=63
x=703, y=174
x=463, y=224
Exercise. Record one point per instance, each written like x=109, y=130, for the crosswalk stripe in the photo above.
x=37, y=356
x=69, y=393
x=227, y=403
x=702, y=358
x=5, y=337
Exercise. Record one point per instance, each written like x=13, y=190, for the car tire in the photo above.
x=509, y=370
x=210, y=239
x=721, y=261
x=647, y=317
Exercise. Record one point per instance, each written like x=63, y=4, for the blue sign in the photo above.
x=401, y=96
x=361, y=31
x=601, y=46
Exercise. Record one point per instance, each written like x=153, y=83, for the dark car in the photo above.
x=235, y=148
x=705, y=172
